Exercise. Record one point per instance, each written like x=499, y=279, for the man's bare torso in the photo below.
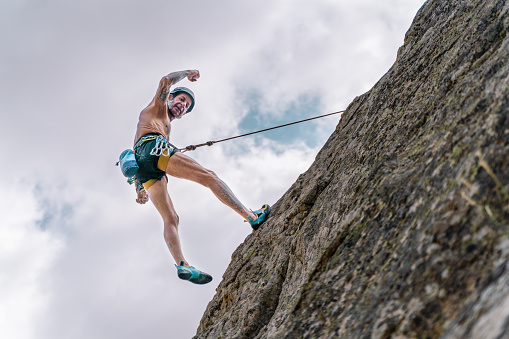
x=153, y=119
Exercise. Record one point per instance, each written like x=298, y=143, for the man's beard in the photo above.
x=170, y=106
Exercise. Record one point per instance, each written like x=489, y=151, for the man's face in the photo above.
x=179, y=105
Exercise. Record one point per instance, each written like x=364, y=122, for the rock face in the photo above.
x=400, y=227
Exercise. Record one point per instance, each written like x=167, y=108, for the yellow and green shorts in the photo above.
x=151, y=159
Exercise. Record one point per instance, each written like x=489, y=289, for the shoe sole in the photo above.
x=200, y=279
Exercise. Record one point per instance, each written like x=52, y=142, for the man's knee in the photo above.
x=171, y=220
x=208, y=178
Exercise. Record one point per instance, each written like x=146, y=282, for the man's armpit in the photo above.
x=163, y=93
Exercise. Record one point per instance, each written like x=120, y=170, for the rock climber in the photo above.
x=156, y=157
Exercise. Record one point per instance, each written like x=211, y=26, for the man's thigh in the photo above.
x=184, y=167
x=159, y=196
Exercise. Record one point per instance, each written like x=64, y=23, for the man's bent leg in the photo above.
x=159, y=196
x=182, y=166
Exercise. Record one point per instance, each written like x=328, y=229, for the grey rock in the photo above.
x=399, y=229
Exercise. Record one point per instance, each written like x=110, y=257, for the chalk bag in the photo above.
x=128, y=163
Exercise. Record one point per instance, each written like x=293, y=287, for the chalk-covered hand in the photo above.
x=193, y=75
x=142, y=197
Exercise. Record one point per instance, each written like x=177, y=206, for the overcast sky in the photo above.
x=79, y=258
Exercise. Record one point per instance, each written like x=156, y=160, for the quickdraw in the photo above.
x=162, y=147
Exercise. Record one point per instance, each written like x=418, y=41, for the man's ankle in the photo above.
x=251, y=215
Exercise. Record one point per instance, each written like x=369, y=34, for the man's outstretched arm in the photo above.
x=171, y=79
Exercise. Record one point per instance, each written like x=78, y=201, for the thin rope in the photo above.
x=210, y=143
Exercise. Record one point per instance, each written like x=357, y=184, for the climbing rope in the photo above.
x=210, y=143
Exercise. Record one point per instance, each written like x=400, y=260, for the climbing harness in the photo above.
x=210, y=143
x=162, y=146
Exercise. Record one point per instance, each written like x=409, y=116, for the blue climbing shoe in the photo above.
x=261, y=216
x=192, y=274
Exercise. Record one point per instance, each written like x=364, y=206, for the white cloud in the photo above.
x=26, y=254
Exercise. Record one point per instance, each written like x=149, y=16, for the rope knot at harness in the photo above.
x=193, y=147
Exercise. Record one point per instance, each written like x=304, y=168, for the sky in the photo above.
x=79, y=258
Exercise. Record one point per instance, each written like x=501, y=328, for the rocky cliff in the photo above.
x=400, y=227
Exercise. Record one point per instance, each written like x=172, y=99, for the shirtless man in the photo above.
x=156, y=157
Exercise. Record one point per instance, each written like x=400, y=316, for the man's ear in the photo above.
x=170, y=97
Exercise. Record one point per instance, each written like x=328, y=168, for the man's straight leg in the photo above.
x=159, y=196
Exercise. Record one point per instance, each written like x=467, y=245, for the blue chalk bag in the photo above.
x=128, y=163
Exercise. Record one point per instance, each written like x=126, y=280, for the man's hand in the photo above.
x=170, y=80
x=142, y=197
x=193, y=75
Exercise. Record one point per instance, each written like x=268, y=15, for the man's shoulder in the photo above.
x=154, y=109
